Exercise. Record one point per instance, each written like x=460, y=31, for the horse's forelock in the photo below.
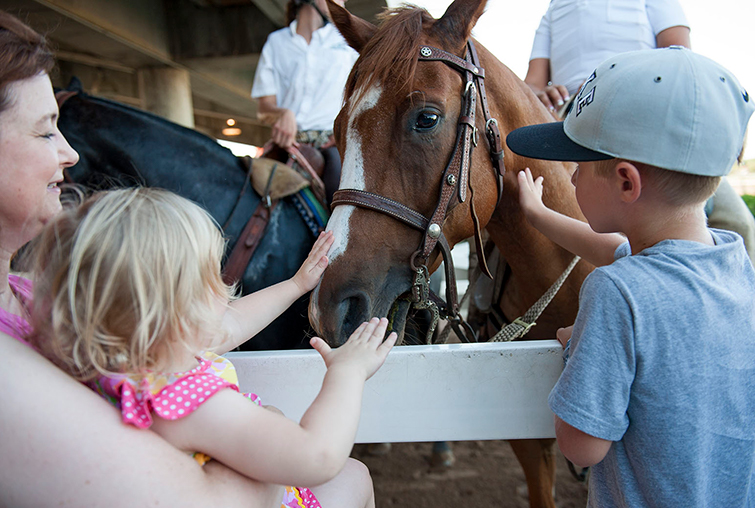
x=391, y=54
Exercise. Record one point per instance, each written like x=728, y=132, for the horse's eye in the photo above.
x=426, y=120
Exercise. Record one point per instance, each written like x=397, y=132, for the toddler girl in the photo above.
x=129, y=299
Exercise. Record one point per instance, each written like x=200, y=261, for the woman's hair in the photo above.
x=123, y=280
x=23, y=54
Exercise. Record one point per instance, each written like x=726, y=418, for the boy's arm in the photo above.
x=583, y=450
x=248, y=315
x=571, y=234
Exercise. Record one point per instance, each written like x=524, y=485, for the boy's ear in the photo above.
x=630, y=180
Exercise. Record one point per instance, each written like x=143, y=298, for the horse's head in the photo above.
x=396, y=133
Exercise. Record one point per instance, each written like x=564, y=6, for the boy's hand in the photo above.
x=365, y=349
x=530, y=194
x=311, y=270
x=564, y=334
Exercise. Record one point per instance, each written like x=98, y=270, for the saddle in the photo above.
x=277, y=174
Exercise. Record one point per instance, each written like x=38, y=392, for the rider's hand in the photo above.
x=530, y=194
x=311, y=270
x=553, y=96
x=365, y=350
x=284, y=129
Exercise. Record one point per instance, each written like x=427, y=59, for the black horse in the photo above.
x=123, y=146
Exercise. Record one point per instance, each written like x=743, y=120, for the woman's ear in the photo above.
x=630, y=181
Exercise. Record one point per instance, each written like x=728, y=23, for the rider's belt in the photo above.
x=314, y=138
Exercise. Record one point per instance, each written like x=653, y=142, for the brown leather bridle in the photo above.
x=455, y=181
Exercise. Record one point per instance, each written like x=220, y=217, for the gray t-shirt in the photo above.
x=662, y=362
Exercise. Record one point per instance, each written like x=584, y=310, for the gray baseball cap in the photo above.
x=671, y=108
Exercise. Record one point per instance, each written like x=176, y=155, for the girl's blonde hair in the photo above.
x=125, y=279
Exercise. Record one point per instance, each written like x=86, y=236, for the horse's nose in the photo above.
x=352, y=309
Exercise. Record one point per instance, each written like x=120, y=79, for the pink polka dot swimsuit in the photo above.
x=176, y=395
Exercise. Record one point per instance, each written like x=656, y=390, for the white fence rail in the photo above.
x=452, y=392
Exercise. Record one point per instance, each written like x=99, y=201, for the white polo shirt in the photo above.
x=577, y=35
x=308, y=79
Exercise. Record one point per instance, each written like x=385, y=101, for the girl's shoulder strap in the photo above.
x=12, y=324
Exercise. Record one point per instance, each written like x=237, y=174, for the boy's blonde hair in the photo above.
x=124, y=279
x=679, y=189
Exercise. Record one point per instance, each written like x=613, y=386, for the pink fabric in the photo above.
x=12, y=324
x=170, y=396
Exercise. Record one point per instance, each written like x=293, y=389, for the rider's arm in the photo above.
x=282, y=120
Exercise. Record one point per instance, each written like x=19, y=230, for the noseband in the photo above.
x=455, y=181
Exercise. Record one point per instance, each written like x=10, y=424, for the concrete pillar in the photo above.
x=167, y=92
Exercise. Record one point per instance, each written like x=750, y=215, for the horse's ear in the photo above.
x=456, y=24
x=74, y=85
x=356, y=31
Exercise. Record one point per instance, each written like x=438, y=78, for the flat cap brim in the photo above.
x=548, y=141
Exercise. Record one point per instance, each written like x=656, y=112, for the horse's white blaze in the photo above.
x=352, y=173
x=352, y=177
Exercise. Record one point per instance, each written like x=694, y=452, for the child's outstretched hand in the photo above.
x=311, y=270
x=530, y=193
x=564, y=334
x=365, y=349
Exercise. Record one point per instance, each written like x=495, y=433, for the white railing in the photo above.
x=451, y=392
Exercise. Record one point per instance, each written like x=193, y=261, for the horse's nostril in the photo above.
x=354, y=310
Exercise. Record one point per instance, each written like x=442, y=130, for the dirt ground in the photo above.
x=486, y=474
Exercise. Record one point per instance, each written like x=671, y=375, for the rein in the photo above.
x=455, y=181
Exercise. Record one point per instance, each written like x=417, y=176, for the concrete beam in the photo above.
x=208, y=32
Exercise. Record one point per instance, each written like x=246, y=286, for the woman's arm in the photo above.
x=268, y=447
x=58, y=430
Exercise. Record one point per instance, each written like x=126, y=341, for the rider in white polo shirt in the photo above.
x=574, y=36
x=300, y=79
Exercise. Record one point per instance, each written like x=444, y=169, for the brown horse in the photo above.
x=404, y=110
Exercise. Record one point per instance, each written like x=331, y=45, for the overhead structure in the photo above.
x=191, y=61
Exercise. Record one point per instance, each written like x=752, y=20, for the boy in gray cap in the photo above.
x=658, y=393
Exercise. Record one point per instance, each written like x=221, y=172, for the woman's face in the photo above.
x=33, y=154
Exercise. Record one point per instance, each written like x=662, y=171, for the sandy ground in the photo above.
x=486, y=474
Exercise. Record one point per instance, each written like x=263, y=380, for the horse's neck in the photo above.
x=535, y=261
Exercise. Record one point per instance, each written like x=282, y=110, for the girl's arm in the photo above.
x=573, y=235
x=248, y=315
x=266, y=446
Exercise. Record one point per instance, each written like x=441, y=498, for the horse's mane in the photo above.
x=391, y=54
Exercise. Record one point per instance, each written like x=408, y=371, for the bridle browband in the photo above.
x=455, y=181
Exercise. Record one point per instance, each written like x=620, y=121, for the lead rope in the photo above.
x=521, y=325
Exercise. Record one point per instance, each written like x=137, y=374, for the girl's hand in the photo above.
x=311, y=270
x=364, y=350
x=530, y=194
